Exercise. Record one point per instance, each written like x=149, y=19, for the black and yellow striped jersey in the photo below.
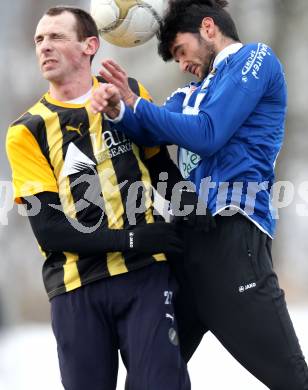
x=100, y=177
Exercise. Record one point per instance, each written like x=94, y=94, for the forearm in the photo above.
x=164, y=127
x=187, y=131
x=135, y=132
x=57, y=232
x=204, y=133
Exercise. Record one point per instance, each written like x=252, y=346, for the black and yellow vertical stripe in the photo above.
x=117, y=176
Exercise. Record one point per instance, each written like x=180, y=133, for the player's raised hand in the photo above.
x=114, y=74
x=106, y=99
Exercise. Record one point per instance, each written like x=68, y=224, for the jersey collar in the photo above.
x=59, y=103
x=231, y=49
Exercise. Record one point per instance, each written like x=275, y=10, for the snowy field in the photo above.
x=28, y=360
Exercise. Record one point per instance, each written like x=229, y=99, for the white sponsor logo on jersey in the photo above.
x=75, y=161
x=255, y=61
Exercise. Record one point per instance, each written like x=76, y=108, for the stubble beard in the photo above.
x=208, y=55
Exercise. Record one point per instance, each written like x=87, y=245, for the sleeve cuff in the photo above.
x=136, y=104
x=122, y=112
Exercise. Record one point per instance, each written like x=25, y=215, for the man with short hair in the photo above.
x=87, y=191
x=229, y=127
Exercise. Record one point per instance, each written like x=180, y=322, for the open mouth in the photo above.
x=49, y=61
x=194, y=69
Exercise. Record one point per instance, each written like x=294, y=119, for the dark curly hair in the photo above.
x=185, y=16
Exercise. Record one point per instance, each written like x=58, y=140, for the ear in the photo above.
x=91, y=45
x=208, y=28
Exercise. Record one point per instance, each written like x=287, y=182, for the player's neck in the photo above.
x=71, y=88
x=223, y=42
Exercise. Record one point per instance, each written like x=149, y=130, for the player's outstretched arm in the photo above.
x=219, y=117
x=160, y=124
x=56, y=232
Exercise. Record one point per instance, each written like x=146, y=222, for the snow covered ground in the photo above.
x=28, y=360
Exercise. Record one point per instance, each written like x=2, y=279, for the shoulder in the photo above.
x=254, y=65
x=254, y=55
x=26, y=118
x=255, y=48
x=22, y=127
x=26, y=122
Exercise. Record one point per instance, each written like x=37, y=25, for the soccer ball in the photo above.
x=127, y=23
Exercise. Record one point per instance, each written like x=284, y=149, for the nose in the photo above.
x=45, y=46
x=183, y=65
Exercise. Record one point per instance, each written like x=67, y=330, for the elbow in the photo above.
x=209, y=150
x=211, y=141
x=206, y=148
x=206, y=151
x=44, y=236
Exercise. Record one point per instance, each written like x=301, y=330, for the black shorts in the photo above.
x=228, y=286
x=133, y=313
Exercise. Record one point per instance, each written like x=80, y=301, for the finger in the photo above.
x=112, y=79
x=114, y=73
x=103, y=92
x=112, y=92
x=112, y=64
x=96, y=107
x=100, y=100
x=106, y=75
x=101, y=89
x=110, y=67
x=110, y=88
x=94, y=102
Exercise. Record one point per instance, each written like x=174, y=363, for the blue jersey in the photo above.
x=229, y=128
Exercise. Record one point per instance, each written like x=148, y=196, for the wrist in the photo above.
x=121, y=237
x=130, y=240
x=130, y=100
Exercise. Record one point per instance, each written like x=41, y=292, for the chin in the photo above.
x=203, y=75
x=204, y=72
x=50, y=75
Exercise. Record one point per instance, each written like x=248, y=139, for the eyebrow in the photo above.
x=59, y=34
x=176, y=49
x=37, y=36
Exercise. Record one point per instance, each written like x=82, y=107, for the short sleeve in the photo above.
x=31, y=172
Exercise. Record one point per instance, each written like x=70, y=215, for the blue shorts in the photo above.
x=133, y=313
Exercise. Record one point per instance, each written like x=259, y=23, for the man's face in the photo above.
x=58, y=50
x=194, y=54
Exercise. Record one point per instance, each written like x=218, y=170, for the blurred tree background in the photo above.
x=279, y=23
